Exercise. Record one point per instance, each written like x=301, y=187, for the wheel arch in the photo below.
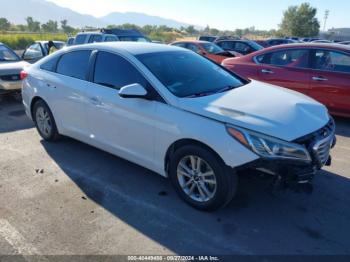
x=33, y=102
x=185, y=142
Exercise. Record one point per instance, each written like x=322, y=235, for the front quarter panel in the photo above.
x=176, y=124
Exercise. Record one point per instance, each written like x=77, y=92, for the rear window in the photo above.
x=74, y=64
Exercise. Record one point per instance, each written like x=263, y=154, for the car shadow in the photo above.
x=342, y=126
x=256, y=222
x=12, y=114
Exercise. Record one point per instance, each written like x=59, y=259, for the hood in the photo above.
x=7, y=68
x=264, y=108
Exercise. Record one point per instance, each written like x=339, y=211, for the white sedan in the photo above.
x=178, y=114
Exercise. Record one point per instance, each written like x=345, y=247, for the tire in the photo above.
x=217, y=194
x=44, y=121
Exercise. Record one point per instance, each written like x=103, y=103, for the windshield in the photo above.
x=256, y=46
x=186, y=74
x=212, y=48
x=6, y=54
x=133, y=38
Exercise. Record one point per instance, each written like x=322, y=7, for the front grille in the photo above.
x=14, y=77
x=319, y=143
x=322, y=149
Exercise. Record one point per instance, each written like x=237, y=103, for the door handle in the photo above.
x=267, y=71
x=319, y=78
x=95, y=101
x=49, y=85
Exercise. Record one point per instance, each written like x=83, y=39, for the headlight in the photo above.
x=269, y=147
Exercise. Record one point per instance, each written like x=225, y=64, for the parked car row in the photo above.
x=181, y=115
x=207, y=49
x=107, y=35
x=321, y=71
x=10, y=67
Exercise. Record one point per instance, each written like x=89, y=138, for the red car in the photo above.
x=321, y=71
x=207, y=49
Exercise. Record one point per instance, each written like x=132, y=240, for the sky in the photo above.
x=221, y=14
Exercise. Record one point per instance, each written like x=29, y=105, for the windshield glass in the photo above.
x=186, y=74
x=212, y=48
x=256, y=46
x=7, y=54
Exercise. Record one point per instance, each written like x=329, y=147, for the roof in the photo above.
x=134, y=48
x=122, y=32
x=193, y=42
x=46, y=41
x=313, y=45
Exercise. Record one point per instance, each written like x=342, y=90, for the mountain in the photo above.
x=17, y=10
x=41, y=10
x=140, y=19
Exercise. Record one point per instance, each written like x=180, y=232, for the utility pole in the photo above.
x=326, y=15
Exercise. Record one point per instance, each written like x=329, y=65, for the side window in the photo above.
x=263, y=59
x=290, y=58
x=242, y=47
x=226, y=45
x=110, y=39
x=51, y=64
x=33, y=52
x=114, y=71
x=193, y=47
x=80, y=39
x=74, y=64
x=95, y=38
x=331, y=61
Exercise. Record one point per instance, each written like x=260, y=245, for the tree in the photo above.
x=300, y=21
x=214, y=31
x=4, y=24
x=239, y=32
x=51, y=26
x=190, y=30
x=33, y=26
x=66, y=28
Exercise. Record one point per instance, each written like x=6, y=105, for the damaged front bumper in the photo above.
x=296, y=174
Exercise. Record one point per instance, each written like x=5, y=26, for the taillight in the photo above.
x=23, y=75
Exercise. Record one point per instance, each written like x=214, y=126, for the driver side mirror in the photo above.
x=133, y=91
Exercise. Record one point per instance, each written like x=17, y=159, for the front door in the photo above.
x=286, y=68
x=123, y=126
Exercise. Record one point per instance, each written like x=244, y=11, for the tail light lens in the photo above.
x=23, y=75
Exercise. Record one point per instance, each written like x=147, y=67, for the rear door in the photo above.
x=287, y=68
x=67, y=92
x=330, y=80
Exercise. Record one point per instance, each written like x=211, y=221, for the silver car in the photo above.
x=10, y=67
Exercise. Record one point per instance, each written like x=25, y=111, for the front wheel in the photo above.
x=201, y=178
x=44, y=121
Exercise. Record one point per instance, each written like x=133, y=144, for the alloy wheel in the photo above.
x=196, y=178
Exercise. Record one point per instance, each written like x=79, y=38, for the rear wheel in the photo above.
x=201, y=178
x=44, y=121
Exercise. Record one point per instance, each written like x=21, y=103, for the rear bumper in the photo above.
x=8, y=86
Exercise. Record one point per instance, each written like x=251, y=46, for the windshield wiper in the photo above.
x=220, y=90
